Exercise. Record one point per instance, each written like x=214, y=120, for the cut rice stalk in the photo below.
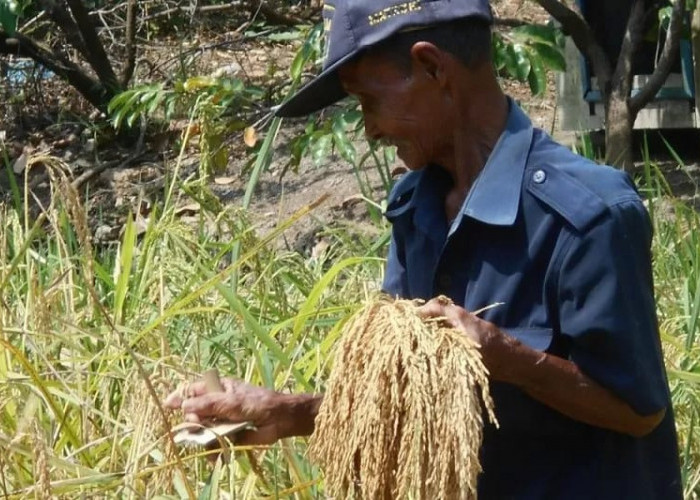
x=402, y=416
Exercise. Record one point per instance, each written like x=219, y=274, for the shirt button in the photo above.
x=539, y=176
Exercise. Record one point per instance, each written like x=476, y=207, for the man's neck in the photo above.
x=477, y=131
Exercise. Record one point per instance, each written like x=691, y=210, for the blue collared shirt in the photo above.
x=564, y=245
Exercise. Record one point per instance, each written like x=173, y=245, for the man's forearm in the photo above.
x=554, y=381
x=302, y=410
x=561, y=385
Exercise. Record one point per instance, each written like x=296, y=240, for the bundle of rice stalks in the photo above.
x=402, y=413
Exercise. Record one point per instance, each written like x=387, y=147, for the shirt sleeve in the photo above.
x=607, y=307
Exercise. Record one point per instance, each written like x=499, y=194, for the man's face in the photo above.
x=400, y=107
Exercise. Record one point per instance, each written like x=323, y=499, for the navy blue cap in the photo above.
x=353, y=25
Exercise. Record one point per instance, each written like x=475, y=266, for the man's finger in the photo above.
x=432, y=309
x=191, y=417
x=232, y=385
x=190, y=394
x=174, y=400
x=205, y=405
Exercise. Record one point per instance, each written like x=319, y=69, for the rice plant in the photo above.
x=92, y=337
x=399, y=439
x=676, y=254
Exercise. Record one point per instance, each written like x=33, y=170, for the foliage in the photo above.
x=155, y=101
x=206, y=103
x=93, y=337
x=9, y=15
x=527, y=52
x=613, y=72
x=81, y=354
x=676, y=251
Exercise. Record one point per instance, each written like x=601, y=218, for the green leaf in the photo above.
x=297, y=65
x=342, y=142
x=498, y=49
x=552, y=57
x=509, y=62
x=123, y=271
x=314, y=298
x=284, y=36
x=8, y=16
x=521, y=61
x=665, y=16
x=537, y=78
x=352, y=117
x=211, y=488
x=321, y=148
x=118, y=100
x=531, y=33
x=153, y=105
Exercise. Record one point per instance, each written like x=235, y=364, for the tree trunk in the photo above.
x=618, y=131
x=695, y=36
x=621, y=108
x=130, y=44
x=619, y=117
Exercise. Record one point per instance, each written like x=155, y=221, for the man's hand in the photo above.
x=274, y=415
x=494, y=344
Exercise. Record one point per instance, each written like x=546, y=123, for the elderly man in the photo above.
x=493, y=210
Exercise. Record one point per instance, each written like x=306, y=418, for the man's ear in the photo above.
x=431, y=60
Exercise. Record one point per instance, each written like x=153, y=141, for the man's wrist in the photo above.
x=299, y=412
x=502, y=355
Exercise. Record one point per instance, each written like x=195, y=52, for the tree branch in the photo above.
x=574, y=25
x=96, y=55
x=668, y=55
x=251, y=6
x=62, y=18
x=272, y=15
x=130, y=40
x=630, y=43
x=88, y=87
x=512, y=22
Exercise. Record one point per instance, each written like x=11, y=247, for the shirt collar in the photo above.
x=495, y=196
x=493, y=199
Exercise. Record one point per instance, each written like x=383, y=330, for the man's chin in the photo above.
x=412, y=165
x=408, y=162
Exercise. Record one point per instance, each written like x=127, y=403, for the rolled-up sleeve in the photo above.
x=607, y=309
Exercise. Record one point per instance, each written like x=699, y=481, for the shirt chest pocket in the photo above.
x=537, y=338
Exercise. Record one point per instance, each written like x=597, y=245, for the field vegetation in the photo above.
x=94, y=337
x=94, y=333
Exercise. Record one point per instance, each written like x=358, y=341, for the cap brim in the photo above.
x=320, y=92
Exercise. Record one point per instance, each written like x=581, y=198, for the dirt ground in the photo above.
x=120, y=189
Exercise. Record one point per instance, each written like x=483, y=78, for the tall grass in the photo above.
x=676, y=250
x=93, y=337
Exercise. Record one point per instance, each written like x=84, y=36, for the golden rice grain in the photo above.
x=41, y=467
x=402, y=413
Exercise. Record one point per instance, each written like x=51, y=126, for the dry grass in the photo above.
x=402, y=414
